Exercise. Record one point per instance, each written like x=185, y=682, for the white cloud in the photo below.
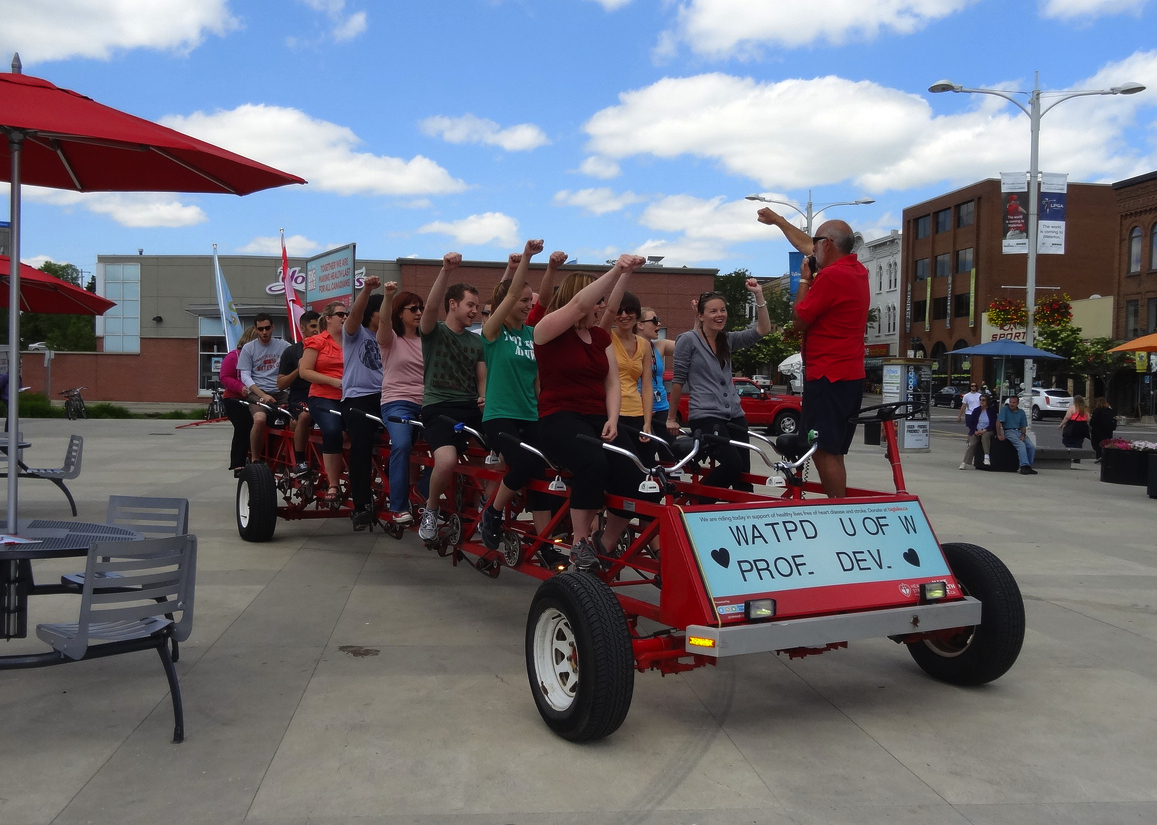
x=491, y=228
x=136, y=209
x=66, y=29
x=471, y=129
x=296, y=245
x=319, y=151
x=36, y=261
x=753, y=130
x=345, y=27
x=683, y=251
x=717, y=219
x=1069, y=9
x=596, y=201
x=740, y=28
x=612, y=5
x=598, y=167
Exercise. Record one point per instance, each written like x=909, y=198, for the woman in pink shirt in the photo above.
x=238, y=413
x=402, y=384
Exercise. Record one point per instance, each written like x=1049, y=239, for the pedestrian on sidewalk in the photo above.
x=981, y=424
x=1012, y=424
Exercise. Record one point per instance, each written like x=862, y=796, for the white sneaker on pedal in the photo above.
x=987, y=461
x=963, y=466
x=428, y=526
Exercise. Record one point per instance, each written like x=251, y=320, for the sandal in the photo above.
x=332, y=495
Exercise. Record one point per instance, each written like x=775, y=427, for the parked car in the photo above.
x=778, y=413
x=1051, y=401
x=948, y=397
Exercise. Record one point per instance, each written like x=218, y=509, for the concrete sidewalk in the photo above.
x=335, y=677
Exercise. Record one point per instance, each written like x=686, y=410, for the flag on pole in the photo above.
x=229, y=319
x=293, y=305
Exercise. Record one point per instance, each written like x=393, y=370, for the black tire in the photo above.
x=81, y=410
x=70, y=409
x=976, y=655
x=786, y=422
x=256, y=503
x=1036, y=413
x=576, y=619
x=216, y=410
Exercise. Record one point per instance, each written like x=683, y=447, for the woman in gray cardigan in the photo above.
x=703, y=367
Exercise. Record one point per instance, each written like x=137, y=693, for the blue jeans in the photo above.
x=401, y=441
x=1025, y=451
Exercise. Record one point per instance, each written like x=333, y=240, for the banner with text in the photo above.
x=330, y=277
x=1050, y=235
x=1014, y=237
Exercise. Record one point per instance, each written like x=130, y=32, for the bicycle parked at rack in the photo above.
x=74, y=404
x=216, y=410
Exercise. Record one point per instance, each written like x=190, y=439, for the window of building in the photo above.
x=1131, y=329
x=943, y=265
x=122, y=323
x=893, y=274
x=943, y=220
x=1151, y=316
x=1153, y=247
x=960, y=305
x=964, y=260
x=965, y=214
x=895, y=318
x=919, y=308
x=940, y=308
x=922, y=269
x=1134, y=250
x=879, y=278
x=923, y=226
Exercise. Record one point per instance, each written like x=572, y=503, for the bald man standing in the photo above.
x=831, y=310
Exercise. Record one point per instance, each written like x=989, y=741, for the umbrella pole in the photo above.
x=15, y=142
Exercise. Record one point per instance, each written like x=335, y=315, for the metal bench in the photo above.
x=57, y=476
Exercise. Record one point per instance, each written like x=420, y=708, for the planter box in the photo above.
x=1125, y=467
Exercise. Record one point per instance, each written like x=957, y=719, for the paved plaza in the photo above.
x=335, y=677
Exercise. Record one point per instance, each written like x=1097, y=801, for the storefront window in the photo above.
x=122, y=324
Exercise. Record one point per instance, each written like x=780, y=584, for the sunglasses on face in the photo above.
x=654, y=320
x=707, y=296
x=415, y=308
x=264, y=329
x=339, y=315
x=818, y=238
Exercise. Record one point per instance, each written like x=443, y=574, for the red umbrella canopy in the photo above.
x=73, y=142
x=41, y=292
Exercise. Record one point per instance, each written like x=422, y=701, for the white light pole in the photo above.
x=1035, y=113
x=810, y=213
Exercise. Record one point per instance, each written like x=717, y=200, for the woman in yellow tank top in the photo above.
x=632, y=353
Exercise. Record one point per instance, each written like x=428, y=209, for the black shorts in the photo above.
x=827, y=406
x=297, y=407
x=439, y=432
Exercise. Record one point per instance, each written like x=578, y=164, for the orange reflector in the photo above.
x=700, y=641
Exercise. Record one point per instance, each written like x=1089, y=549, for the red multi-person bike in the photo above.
x=703, y=573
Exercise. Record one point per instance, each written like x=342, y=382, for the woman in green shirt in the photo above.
x=512, y=397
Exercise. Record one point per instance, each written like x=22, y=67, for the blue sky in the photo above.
x=602, y=126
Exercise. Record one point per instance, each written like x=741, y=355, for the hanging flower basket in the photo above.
x=1007, y=312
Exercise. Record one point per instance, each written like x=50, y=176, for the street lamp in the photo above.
x=810, y=214
x=1035, y=113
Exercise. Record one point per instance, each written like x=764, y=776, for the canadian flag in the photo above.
x=293, y=305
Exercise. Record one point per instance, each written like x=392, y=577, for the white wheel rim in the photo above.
x=243, y=504
x=556, y=659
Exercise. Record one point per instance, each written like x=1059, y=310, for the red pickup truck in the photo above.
x=778, y=413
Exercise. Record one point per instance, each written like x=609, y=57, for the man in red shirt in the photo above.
x=831, y=311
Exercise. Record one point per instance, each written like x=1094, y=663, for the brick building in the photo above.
x=163, y=341
x=952, y=267
x=1136, y=306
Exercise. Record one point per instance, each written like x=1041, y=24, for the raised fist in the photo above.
x=513, y=259
x=371, y=282
x=451, y=260
x=557, y=259
x=767, y=215
x=533, y=247
x=390, y=288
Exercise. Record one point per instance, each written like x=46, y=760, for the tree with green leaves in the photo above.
x=69, y=333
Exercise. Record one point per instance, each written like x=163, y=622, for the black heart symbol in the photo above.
x=912, y=557
x=721, y=557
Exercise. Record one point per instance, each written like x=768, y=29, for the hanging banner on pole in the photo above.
x=1050, y=238
x=230, y=323
x=330, y=277
x=1014, y=240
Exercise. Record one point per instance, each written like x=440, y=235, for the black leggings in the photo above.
x=237, y=411
x=364, y=436
x=521, y=466
x=595, y=471
x=730, y=462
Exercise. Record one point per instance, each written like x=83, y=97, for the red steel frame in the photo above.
x=672, y=578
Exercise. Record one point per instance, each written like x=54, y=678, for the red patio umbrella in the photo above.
x=42, y=292
x=1146, y=343
x=64, y=140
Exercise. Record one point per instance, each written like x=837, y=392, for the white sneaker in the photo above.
x=987, y=461
x=428, y=526
x=963, y=466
